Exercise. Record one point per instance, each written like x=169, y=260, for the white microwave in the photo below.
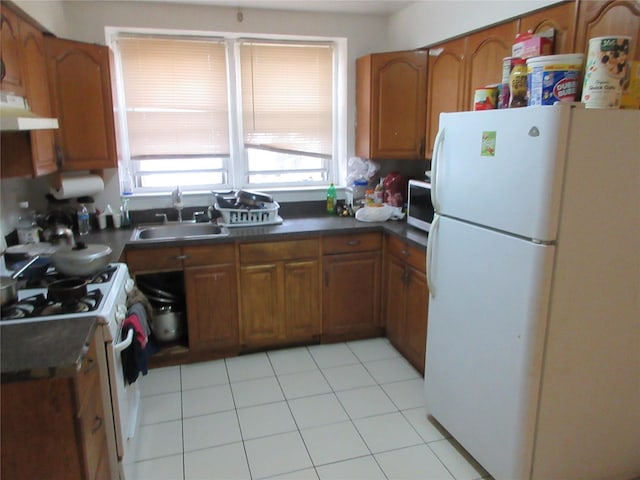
x=419, y=207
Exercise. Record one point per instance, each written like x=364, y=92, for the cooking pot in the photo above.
x=253, y=199
x=8, y=290
x=167, y=325
x=83, y=260
x=67, y=290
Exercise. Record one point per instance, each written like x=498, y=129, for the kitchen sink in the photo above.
x=177, y=231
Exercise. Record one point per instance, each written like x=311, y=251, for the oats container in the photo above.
x=606, y=72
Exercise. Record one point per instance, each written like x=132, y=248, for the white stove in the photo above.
x=105, y=299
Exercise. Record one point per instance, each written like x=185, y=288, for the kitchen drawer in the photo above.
x=87, y=376
x=357, y=242
x=92, y=431
x=408, y=253
x=155, y=259
x=251, y=253
x=209, y=255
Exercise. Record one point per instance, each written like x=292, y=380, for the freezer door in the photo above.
x=487, y=321
x=502, y=168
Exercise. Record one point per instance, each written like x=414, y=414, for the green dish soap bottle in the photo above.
x=331, y=199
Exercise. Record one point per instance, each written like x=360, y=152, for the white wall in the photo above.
x=426, y=22
x=49, y=14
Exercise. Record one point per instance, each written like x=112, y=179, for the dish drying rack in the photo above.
x=248, y=217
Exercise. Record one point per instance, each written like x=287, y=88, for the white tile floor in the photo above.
x=343, y=411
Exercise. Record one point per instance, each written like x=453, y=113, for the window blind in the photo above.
x=175, y=93
x=287, y=95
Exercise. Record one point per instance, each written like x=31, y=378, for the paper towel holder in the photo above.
x=56, y=178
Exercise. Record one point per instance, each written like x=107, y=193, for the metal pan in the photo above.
x=253, y=199
x=8, y=288
x=67, y=290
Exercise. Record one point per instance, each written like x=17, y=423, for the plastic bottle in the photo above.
x=378, y=193
x=331, y=199
x=359, y=191
x=83, y=220
x=518, y=84
x=27, y=227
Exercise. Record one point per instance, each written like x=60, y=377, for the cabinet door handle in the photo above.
x=59, y=157
x=3, y=70
x=405, y=253
x=353, y=243
x=180, y=257
x=326, y=279
x=97, y=424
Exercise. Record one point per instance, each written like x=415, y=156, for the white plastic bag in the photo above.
x=374, y=214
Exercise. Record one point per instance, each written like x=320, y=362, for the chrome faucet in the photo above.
x=176, y=196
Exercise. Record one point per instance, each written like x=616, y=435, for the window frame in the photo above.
x=237, y=170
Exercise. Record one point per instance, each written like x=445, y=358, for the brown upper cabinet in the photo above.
x=80, y=84
x=597, y=18
x=23, y=57
x=391, y=105
x=457, y=67
x=559, y=17
x=460, y=66
x=11, y=74
x=483, y=58
x=445, y=88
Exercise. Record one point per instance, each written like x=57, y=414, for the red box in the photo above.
x=528, y=45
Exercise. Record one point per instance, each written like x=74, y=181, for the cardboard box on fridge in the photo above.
x=631, y=94
x=527, y=45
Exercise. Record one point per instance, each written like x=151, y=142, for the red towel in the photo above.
x=139, y=333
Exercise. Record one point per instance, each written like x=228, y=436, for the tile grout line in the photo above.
x=293, y=416
x=184, y=463
x=233, y=398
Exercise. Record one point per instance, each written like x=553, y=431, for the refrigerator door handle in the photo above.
x=431, y=244
x=437, y=145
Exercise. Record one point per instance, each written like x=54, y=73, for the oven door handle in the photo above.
x=118, y=347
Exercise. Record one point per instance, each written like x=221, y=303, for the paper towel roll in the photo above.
x=78, y=186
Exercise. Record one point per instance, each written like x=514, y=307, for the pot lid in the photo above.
x=32, y=249
x=84, y=251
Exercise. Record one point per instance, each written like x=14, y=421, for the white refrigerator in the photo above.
x=533, y=263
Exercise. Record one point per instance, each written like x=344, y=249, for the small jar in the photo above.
x=518, y=84
x=369, y=199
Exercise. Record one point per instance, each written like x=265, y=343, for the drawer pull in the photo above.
x=97, y=424
x=353, y=243
x=405, y=253
x=180, y=257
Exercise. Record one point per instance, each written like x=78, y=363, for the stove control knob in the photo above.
x=121, y=313
x=128, y=285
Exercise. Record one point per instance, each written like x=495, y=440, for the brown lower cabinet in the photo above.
x=211, y=292
x=351, y=286
x=248, y=296
x=406, y=300
x=279, y=293
x=62, y=433
x=210, y=284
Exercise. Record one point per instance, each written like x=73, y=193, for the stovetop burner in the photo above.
x=103, y=276
x=39, y=306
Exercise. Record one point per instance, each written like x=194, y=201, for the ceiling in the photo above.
x=371, y=7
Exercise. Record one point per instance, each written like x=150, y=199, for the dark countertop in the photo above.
x=291, y=227
x=53, y=348
x=56, y=348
